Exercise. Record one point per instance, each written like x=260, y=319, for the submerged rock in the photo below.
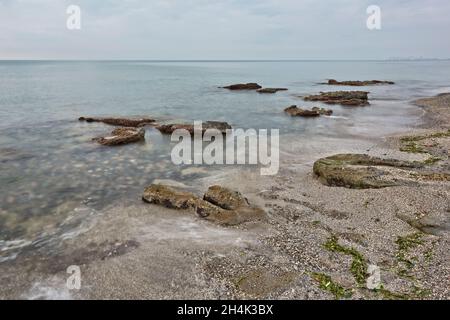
x=11, y=154
x=170, y=128
x=122, y=136
x=358, y=83
x=244, y=86
x=346, y=98
x=219, y=205
x=121, y=122
x=323, y=111
x=294, y=111
x=314, y=112
x=168, y=197
x=271, y=90
x=360, y=171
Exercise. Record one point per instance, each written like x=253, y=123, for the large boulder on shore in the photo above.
x=121, y=136
x=346, y=98
x=219, y=204
x=361, y=171
x=218, y=125
x=244, y=86
x=333, y=82
x=121, y=122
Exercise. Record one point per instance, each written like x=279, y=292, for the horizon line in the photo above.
x=221, y=60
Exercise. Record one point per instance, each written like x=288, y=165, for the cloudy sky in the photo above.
x=224, y=29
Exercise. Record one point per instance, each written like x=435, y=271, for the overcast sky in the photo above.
x=224, y=29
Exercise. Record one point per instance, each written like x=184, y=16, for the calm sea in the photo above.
x=51, y=171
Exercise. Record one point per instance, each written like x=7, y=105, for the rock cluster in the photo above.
x=333, y=82
x=346, y=98
x=271, y=90
x=219, y=204
x=170, y=128
x=243, y=86
x=121, y=136
x=121, y=122
x=294, y=111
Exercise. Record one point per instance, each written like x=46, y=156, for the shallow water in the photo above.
x=52, y=176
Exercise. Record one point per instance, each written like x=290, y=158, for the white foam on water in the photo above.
x=43, y=291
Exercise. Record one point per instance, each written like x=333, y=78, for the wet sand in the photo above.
x=141, y=251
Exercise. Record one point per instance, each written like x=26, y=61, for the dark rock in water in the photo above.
x=333, y=82
x=294, y=111
x=244, y=86
x=346, y=98
x=122, y=136
x=271, y=90
x=360, y=171
x=168, y=197
x=170, y=128
x=121, y=122
x=219, y=205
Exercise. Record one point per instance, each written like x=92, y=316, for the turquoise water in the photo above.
x=50, y=167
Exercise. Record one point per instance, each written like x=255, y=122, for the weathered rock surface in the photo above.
x=271, y=90
x=294, y=111
x=314, y=112
x=219, y=205
x=358, y=83
x=121, y=122
x=170, y=128
x=121, y=136
x=225, y=198
x=168, y=197
x=244, y=86
x=346, y=98
x=360, y=171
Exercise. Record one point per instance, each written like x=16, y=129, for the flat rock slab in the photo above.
x=219, y=205
x=271, y=90
x=170, y=128
x=120, y=122
x=244, y=86
x=121, y=136
x=360, y=171
x=295, y=111
x=333, y=82
x=346, y=98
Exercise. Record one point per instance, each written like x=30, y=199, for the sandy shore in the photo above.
x=309, y=247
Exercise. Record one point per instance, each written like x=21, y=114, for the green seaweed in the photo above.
x=410, y=144
x=432, y=160
x=412, y=147
x=404, y=245
x=359, y=263
x=389, y=295
x=327, y=284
